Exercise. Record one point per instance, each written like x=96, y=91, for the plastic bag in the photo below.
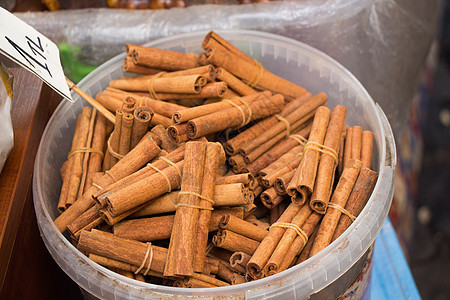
x=6, y=130
x=382, y=42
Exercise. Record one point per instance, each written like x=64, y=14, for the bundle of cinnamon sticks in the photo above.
x=215, y=172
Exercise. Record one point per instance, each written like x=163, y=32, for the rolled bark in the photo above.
x=198, y=111
x=142, y=118
x=164, y=59
x=181, y=253
x=282, y=182
x=286, y=241
x=236, y=116
x=133, y=161
x=301, y=114
x=130, y=67
x=224, y=195
x=367, y=148
x=144, y=190
x=233, y=145
x=302, y=184
x=76, y=170
x=268, y=245
x=160, y=228
x=235, y=242
x=357, y=200
x=254, y=74
x=338, y=200
x=166, y=142
x=242, y=227
x=234, y=83
x=215, y=156
x=328, y=161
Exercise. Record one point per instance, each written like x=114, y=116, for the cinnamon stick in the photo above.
x=166, y=142
x=134, y=160
x=356, y=142
x=299, y=243
x=233, y=242
x=242, y=227
x=144, y=190
x=198, y=111
x=74, y=177
x=286, y=240
x=215, y=156
x=178, y=133
x=367, y=148
x=125, y=134
x=357, y=200
x=234, y=83
x=300, y=114
x=282, y=182
x=233, y=117
x=224, y=195
x=130, y=67
x=164, y=59
x=98, y=145
x=180, y=260
x=256, y=75
x=142, y=117
x=232, y=146
x=302, y=184
x=160, y=228
x=338, y=200
x=328, y=161
x=268, y=245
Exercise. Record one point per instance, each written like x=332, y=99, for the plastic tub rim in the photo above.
x=264, y=282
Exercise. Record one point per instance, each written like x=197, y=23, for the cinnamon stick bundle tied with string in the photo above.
x=253, y=73
x=233, y=145
x=336, y=206
x=133, y=161
x=160, y=228
x=72, y=178
x=328, y=161
x=357, y=200
x=163, y=59
x=198, y=111
x=302, y=184
x=187, y=84
x=236, y=116
x=180, y=260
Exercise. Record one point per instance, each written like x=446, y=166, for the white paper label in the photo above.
x=32, y=50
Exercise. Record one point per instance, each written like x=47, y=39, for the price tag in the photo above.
x=26, y=46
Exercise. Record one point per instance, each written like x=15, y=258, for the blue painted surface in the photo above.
x=391, y=276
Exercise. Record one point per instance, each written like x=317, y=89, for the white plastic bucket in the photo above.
x=326, y=275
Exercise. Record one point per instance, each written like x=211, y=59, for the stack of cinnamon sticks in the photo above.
x=216, y=171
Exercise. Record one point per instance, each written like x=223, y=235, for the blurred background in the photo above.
x=408, y=41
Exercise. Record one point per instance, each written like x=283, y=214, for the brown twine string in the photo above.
x=150, y=84
x=297, y=229
x=300, y=139
x=111, y=150
x=97, y=186
x=257, y=75
x=245, y=121
x=191, y=205
x=84, y=149
x=164, y=175
x=172, y=164
x=321, y=148
x=286, y=123
x=342, y=210
x=149, y=249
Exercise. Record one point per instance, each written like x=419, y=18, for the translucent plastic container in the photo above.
x=326, y=275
